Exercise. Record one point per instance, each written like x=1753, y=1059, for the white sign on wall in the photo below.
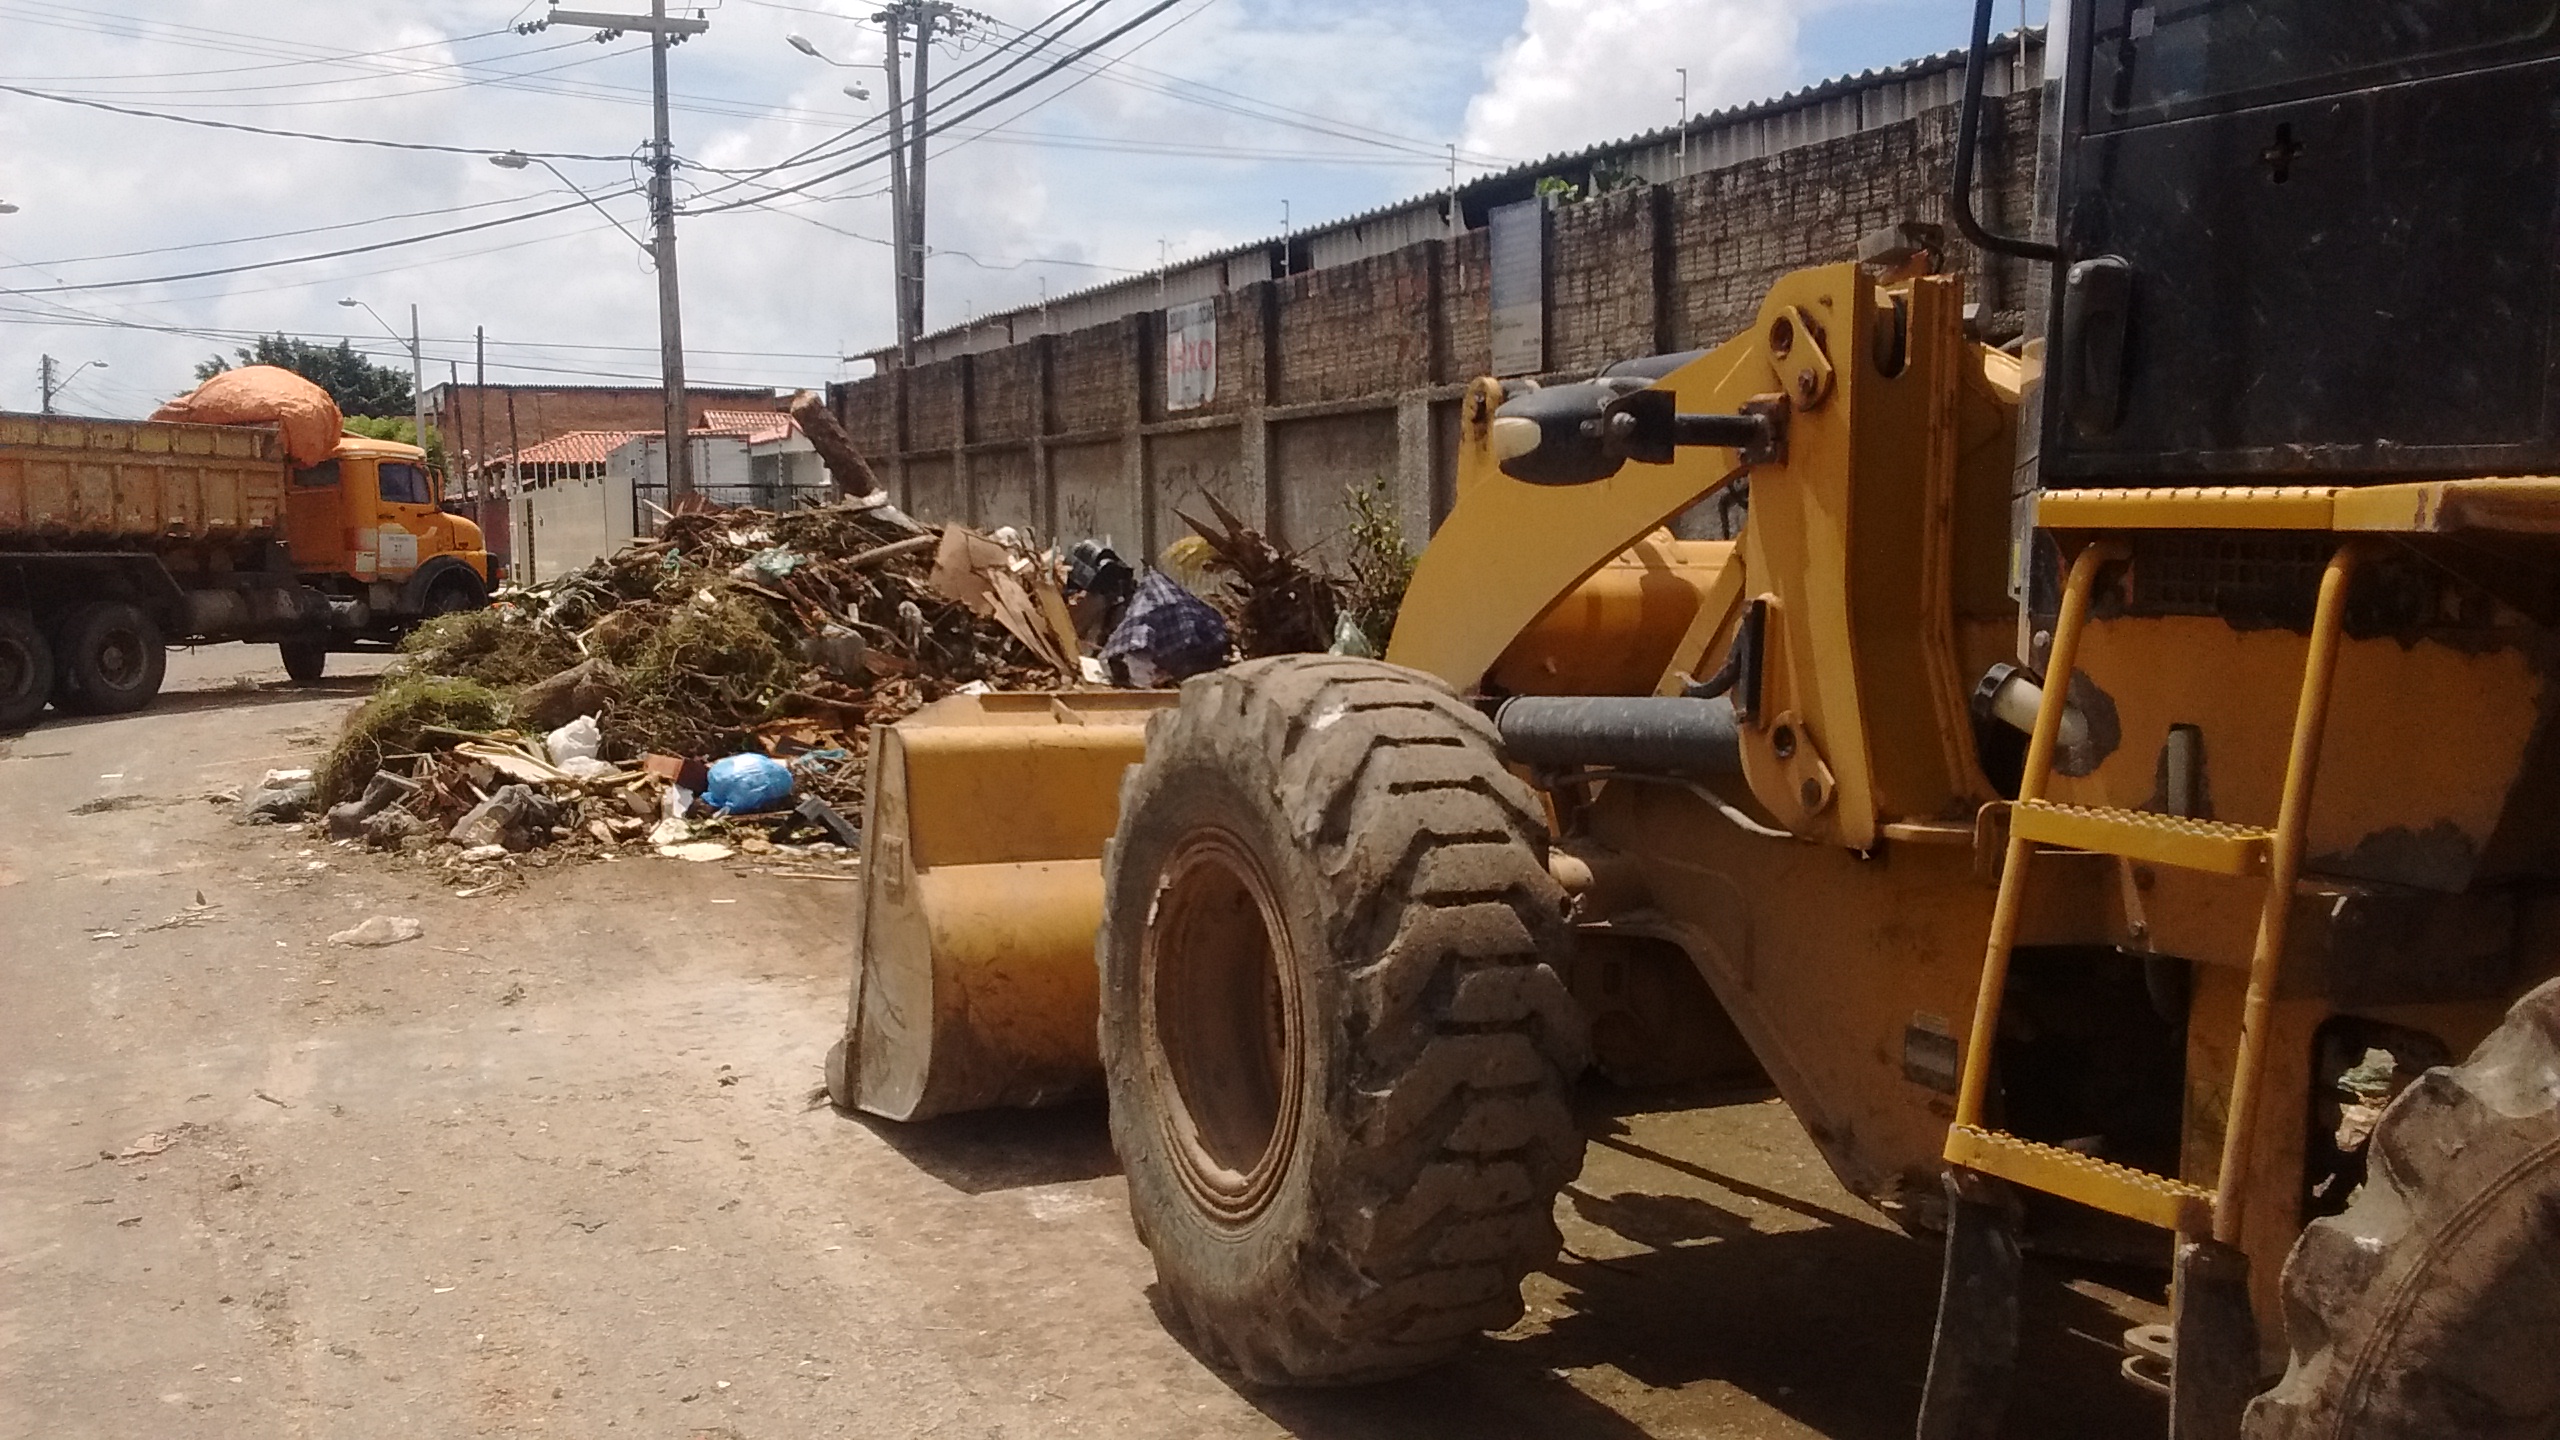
x=1518, y=282
x=1190, y=355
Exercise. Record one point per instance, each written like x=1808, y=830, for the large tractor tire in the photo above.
x=1337, y=1045
x=26, y=670
x=2430, y=1307
x=110, y=659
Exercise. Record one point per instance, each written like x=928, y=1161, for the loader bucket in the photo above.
x=973, y=980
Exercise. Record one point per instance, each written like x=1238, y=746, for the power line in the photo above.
x=138, y=87
x=277, y=64
x=279, y=234
x=298, y=134
x=297, y=259
x=821, y=152
x=1053, y=68
x=1234, y=103
x=503, y=79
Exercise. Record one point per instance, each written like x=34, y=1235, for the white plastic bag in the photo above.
x=577, y=740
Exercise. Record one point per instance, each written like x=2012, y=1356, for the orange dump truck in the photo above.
x=119, y=538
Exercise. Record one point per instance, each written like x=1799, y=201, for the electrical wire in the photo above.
x=296, y=259
x=981, y=263
x=1053, y=68
x=279, y=234
x=147, y=91
x=822, y=151
x=226, y=42
x=271, y=65
x=301, y=134
x=1232, y=103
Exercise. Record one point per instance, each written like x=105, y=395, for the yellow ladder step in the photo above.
x=2208, y=845
x=2101, y=1184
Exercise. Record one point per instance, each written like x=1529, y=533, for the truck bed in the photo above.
x=136, y=484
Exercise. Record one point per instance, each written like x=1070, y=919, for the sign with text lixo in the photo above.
x=1190, y=355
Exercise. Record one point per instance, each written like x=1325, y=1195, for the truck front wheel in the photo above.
x=304, y=660
x=26, y=670
x=112, y=658
x=1338, y=1051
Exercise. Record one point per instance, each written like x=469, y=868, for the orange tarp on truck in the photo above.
x=260, y=395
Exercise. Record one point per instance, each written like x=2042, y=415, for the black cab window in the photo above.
x=317, y=477
x=405, y=484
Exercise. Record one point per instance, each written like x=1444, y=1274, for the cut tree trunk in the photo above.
x=845, y=465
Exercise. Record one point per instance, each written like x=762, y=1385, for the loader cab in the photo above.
x=2301, y=237
x=374, y=511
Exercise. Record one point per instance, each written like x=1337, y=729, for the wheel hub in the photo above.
x=120, y=658
x=1220, y=1023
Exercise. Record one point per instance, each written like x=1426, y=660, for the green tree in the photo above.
x=402, y=429
x=358, y=385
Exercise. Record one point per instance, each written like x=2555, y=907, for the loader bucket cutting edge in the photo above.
x=974, y=982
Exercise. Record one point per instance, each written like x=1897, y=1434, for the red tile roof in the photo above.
x=578, y=447
x=591, y=447
x=755, y=426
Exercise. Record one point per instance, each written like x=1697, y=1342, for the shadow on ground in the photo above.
x=224, y=697
x=1828, y=1324
x=991, y=1150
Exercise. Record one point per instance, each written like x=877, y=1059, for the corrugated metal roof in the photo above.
x=1825, y=111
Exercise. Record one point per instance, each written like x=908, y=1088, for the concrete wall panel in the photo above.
x=1095, y=499
x=1186, y=464
x=1002, y=490
x=1314, y=460
x=933, y=490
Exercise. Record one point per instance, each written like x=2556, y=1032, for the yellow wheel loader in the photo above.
x=2110, y=784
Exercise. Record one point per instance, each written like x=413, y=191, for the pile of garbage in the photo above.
x=709, y=691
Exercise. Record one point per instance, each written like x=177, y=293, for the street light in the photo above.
x=7, y=209
x=518, y=160
x=417, y=365
x=809, y=47
x=48, y=385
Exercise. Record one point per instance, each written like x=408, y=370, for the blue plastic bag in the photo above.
x=742, y=784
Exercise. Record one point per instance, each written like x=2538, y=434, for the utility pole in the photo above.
x=480, y=397
x=663, y=32
x=50, y=380
x=417, y=384
x=1684, y=118
x=928, y=14
x=893, y=20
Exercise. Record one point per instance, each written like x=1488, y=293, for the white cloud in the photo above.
x=1580, y=72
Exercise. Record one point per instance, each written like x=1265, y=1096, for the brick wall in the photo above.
x=1005, y=395
x=1090, y=378
x=1357, y=329
x=1348, y=373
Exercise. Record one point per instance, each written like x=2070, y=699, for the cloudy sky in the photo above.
x=1208, y=118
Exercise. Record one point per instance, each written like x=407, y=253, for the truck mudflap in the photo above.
x=973, y=980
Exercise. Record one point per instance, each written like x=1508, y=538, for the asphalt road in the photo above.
x=554, y=1168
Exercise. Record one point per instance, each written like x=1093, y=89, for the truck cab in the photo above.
x=367, y=527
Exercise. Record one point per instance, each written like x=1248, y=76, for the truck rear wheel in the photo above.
x=2431, y=1306
x=26, y=670
x=1338, y=1050
x=304, y=660
x=112, y=658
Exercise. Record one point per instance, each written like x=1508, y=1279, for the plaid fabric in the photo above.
x=1168, y=633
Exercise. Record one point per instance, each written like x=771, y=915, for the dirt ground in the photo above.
x=556, y=1168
